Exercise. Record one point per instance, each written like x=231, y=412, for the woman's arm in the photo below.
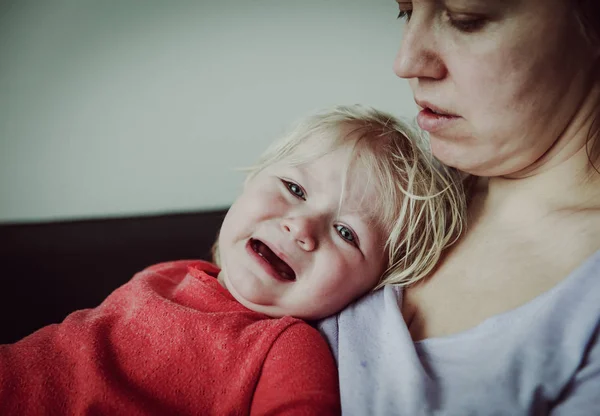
x=299, y=376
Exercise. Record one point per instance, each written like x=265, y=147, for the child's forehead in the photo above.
x=325, y=164
x=336, y=156
x=352, y=185
x=326, y=139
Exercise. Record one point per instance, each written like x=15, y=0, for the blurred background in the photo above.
x=115, y=108
x=122, y=124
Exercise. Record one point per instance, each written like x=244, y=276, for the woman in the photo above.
x=509, y=321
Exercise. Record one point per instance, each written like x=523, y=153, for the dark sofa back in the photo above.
x=49, y=270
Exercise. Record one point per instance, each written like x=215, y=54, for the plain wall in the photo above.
x=113, y=108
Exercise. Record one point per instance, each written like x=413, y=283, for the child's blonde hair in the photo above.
x=420, y=204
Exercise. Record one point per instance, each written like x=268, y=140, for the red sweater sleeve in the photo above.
x=299, y=376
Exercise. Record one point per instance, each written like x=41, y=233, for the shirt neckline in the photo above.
x=495, y=320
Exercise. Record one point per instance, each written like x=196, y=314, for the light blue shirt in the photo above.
x=540, y=358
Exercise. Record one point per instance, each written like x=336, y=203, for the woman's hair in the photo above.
x=587, y=13
x=420, y=204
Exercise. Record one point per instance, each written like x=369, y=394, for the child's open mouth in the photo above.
x=280, y=266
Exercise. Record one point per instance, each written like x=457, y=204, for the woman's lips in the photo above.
x=431, y=121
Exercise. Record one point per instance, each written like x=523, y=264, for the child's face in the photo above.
x=288, y=247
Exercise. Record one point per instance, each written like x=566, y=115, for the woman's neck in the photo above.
x=563, y=178
x=571, y=184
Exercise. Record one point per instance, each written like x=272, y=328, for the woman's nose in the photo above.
x=302, y=230
x=418, y=56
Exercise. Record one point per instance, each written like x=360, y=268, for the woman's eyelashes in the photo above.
x=405, y=9
x=294, y=189
x=404, y=14
x=465, y=22
x=462, y=22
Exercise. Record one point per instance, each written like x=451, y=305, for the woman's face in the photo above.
x=507, y=77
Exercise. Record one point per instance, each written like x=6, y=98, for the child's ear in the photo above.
x=215, y=252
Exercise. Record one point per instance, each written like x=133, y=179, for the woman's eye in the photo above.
x=346, y=233
x=295, y=189
x=467, y=23
x=405, y=10
x=405, y=14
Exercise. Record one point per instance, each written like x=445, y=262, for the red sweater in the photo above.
x=171, y=341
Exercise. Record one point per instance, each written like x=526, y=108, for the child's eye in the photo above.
x=346, y=233
x=295, y=189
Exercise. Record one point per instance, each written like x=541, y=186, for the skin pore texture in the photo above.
x=517, y=79
x=321, y=230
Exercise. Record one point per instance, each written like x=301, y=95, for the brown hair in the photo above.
x=587, y=13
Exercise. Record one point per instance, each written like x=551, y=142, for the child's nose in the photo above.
x=302, y=230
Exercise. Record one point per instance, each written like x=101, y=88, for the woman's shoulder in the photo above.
x=537, y=350
x=380, y=312
x=360, y=322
